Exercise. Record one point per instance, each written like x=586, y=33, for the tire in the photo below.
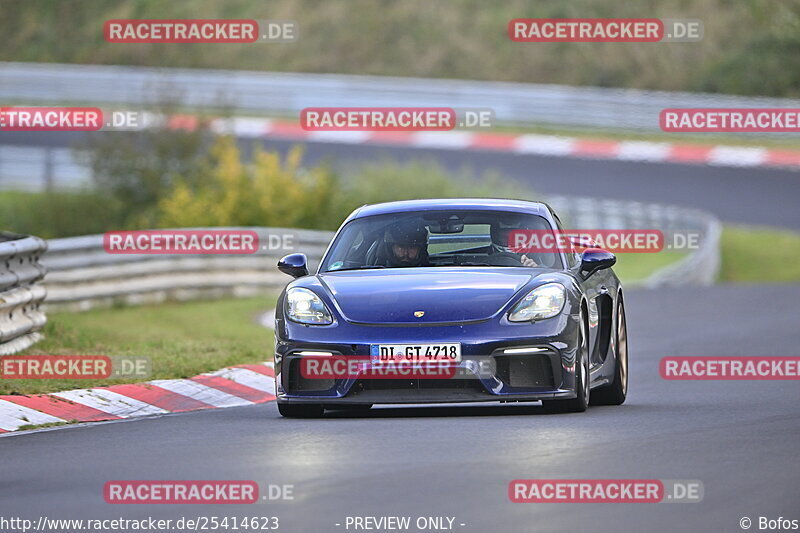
x=582, y=384
x=300, y=410
x=616, y=392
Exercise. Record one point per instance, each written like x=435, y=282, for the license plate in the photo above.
x=449, y=352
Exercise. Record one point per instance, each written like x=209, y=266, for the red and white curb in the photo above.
x=230, y=387
x=549, y=145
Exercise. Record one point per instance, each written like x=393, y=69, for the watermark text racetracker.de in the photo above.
x=181, y=242
x=605, y=491
x=613, y=240
x=74, y=367
x=195, y=241
x=38, y=118
x=407, y=365
x=103, y=525
x=394, y=118
x=730, y=368
x=194, y=492
x=187, y=31
x=604, y=30
x=730, y=120
x=51, y=119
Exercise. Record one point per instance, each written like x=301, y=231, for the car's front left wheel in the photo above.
x=616, y=392
x=300, y=410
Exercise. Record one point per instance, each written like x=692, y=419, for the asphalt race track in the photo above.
x=740, y=439
x=761, y=196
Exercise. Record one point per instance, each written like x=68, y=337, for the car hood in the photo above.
x=444, y=294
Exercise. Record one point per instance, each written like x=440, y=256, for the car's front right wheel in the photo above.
x=300, y=410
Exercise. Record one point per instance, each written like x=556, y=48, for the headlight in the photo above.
x=542, y=302
x=303, y=306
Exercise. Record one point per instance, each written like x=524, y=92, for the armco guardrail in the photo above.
x=287, y=93
x=700, y=266
x=35, y=168
x=21, y=318
x=82, y=275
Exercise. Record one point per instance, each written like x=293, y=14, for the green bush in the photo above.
x=138, y=168
x=215, y=186
x=270, y=191
x=50, y=215
x=267, y=191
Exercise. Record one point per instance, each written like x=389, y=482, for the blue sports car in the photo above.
x=428, y=301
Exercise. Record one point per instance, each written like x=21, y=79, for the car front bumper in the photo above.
x=540, y=367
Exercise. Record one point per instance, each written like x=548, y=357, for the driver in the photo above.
x=501, y=234
x=407, y=246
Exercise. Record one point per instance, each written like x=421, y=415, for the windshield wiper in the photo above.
x=362, y=267
x=473, y=263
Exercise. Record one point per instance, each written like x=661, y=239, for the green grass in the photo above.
x=57, y=214
x=757, y=254
x=749, y=255
x=181, y=339
x=48, y=425
x=632, y=268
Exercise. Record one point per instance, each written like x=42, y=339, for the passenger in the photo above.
x=501, y=234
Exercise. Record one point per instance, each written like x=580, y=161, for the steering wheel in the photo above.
x=506, y=259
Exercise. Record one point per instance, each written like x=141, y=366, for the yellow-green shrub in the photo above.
x=268, y=191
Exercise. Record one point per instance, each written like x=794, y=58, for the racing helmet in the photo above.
x=404, y=236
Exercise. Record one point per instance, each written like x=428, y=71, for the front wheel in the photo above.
x=617, y=391
x=582, y=385
x=300, y=410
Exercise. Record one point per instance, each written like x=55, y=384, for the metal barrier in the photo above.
x=34, y=168
x=288, y=93
x=82, y=275
x=699, y=267
x=21, y=318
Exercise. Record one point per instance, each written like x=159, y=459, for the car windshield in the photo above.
x=436, y=239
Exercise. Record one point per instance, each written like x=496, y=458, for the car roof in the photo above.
x=435, y=204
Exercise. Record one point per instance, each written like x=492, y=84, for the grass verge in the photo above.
x=181, y=340
x=748, y=255
x=48, y=425
x=632, y=268
x=759, y=254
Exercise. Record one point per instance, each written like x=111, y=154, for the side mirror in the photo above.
x=595, y=259
x=294, y=265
